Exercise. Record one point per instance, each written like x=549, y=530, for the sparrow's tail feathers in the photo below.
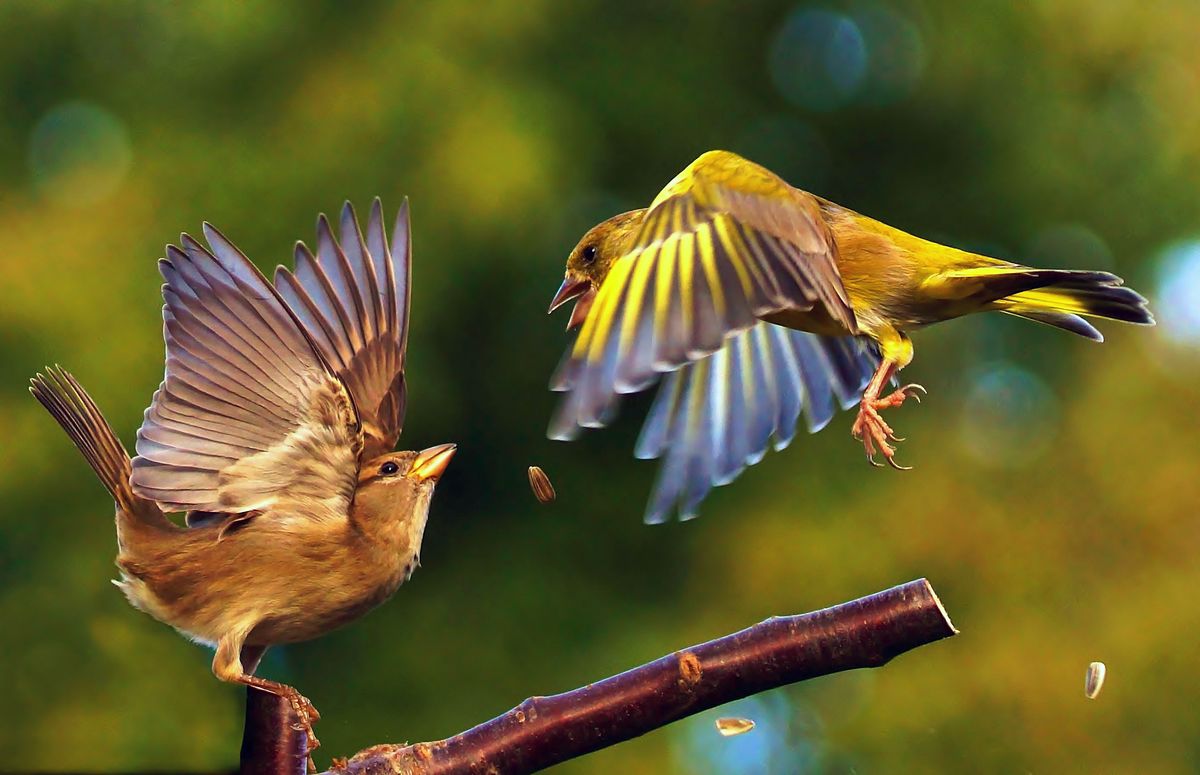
x=69, y=404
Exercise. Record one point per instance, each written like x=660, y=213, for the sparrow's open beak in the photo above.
x=574, y=289
x=431, y=463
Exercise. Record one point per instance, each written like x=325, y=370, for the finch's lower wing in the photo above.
x=713, y=418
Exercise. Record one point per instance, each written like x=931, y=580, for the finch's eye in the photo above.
x=588, y=254
x=388, y=468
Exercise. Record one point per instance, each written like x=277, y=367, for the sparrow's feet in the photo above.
x=307, y=713
x=874, y=433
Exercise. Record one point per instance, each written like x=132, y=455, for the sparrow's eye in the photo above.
x=389, y=468
x=588, y=254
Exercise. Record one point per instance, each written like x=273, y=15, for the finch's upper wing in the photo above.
x=725, y=243
x=352, y=299
x=249, y=417
x=713, y=418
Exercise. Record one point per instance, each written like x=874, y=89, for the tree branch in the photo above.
x=543, y=731
x=273, y=740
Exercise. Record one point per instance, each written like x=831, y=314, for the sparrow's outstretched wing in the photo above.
x=249, y=417
x=352, y=298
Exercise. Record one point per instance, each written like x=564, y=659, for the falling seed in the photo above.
x=540, y=484
x=728, y=727
x=1095, y=680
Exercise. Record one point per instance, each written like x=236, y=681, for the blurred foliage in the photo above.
x=1054, y=498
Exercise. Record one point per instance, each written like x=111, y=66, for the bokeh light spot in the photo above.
x=79, y=154
x=895, y=54
x=1177, y=303
x=1009, y=416
x=818, y=59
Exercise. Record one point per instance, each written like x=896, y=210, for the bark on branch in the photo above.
x=543, y=731
x=273, y=740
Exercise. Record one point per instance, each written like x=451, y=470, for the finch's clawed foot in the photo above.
x=896, y=398
x=874, y=433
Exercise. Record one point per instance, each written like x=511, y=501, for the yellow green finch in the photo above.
x=760, y=302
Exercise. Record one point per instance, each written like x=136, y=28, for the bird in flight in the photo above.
x=273, y=430
x=756, y=302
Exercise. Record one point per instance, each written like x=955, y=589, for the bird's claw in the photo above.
x=308, y=715
x=874, y=433
x=897, y=397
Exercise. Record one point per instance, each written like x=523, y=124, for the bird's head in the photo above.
x=396, y=488
x=590, y=261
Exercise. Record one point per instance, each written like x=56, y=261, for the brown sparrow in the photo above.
x=273, y=430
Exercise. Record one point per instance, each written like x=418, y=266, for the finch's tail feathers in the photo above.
x=1062, y=297
x=1064, y=320
x=69, y=404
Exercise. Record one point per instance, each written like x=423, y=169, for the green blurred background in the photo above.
x=1054, y=499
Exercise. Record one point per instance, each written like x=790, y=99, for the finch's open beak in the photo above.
x=431, y=463
x=574, y=289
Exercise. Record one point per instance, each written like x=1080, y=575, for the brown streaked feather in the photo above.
x=74, y=410
x=249, y=416
x=352, y=298
x=69, y=404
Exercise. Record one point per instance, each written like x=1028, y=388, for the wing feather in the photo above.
x=714, y=418
x=352, y=299
x=724, y=244
x=249, y=417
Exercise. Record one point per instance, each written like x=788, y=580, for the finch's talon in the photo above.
x=870, y=429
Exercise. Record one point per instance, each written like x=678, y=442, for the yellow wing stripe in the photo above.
x=661, y=228
x=599, y=321
x=637, y=292
x=585, y=334
x=737, y=257
x=607, y=315
x=755, y=258
x=687, y=247
x=662, y=289
x=708, y=260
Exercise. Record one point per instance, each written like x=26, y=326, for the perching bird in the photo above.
x=758, y=300
x=273, y=430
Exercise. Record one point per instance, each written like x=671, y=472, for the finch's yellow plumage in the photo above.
x=705, y=283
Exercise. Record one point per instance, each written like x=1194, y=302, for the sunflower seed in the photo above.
x=540, y=484
x=1094, y=680
x=728, y=727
